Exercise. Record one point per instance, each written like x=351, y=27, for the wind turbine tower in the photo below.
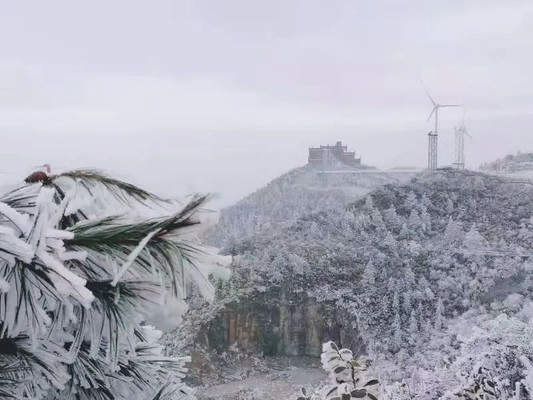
x=433, y=141
x=460, y=133
x=434, y=135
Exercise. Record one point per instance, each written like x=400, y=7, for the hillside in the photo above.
x=519, y=165
x=412, y=269
x=299, y=192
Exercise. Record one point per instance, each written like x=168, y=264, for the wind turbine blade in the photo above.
x=431, y=114
x=450, y=105
x=427, y=92
x=468, y=134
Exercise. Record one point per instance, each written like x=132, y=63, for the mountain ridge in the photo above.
x=293, y=194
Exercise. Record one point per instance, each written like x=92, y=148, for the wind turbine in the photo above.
x=433, y=135
x=460, y=133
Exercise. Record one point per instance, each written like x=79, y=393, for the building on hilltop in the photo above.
x=317, y=155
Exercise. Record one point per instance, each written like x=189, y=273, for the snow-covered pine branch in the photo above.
x=85, y=260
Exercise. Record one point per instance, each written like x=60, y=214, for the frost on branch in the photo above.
x=85, y=260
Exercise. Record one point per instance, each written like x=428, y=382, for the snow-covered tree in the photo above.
x=397, y=322
x=397, y=332
x=415, y=223
x=449, y=206
x=413, y=328
x=439, y=318
x=86, y=262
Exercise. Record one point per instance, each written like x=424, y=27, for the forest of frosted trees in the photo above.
x=435, y=276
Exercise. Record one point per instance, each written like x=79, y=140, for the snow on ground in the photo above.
x=272, y=379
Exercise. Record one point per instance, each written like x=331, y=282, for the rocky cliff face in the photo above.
x=278, y=324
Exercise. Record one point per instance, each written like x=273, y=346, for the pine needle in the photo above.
x=119, y=189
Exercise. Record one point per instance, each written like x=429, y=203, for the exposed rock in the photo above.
x=278, y=324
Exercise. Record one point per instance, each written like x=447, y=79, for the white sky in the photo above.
x=223, y=96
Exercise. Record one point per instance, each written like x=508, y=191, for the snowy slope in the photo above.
x=298, y=192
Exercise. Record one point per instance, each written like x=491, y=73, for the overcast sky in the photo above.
x=223, y=96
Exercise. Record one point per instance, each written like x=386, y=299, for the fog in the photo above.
x=223, y=96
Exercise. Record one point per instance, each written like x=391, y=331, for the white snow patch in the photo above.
x=4, y=286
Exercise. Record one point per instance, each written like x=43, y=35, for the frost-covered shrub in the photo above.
x=495, y=356
x=482, y=386
x=477, y=354
x=85, y=262
x=349, y=379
